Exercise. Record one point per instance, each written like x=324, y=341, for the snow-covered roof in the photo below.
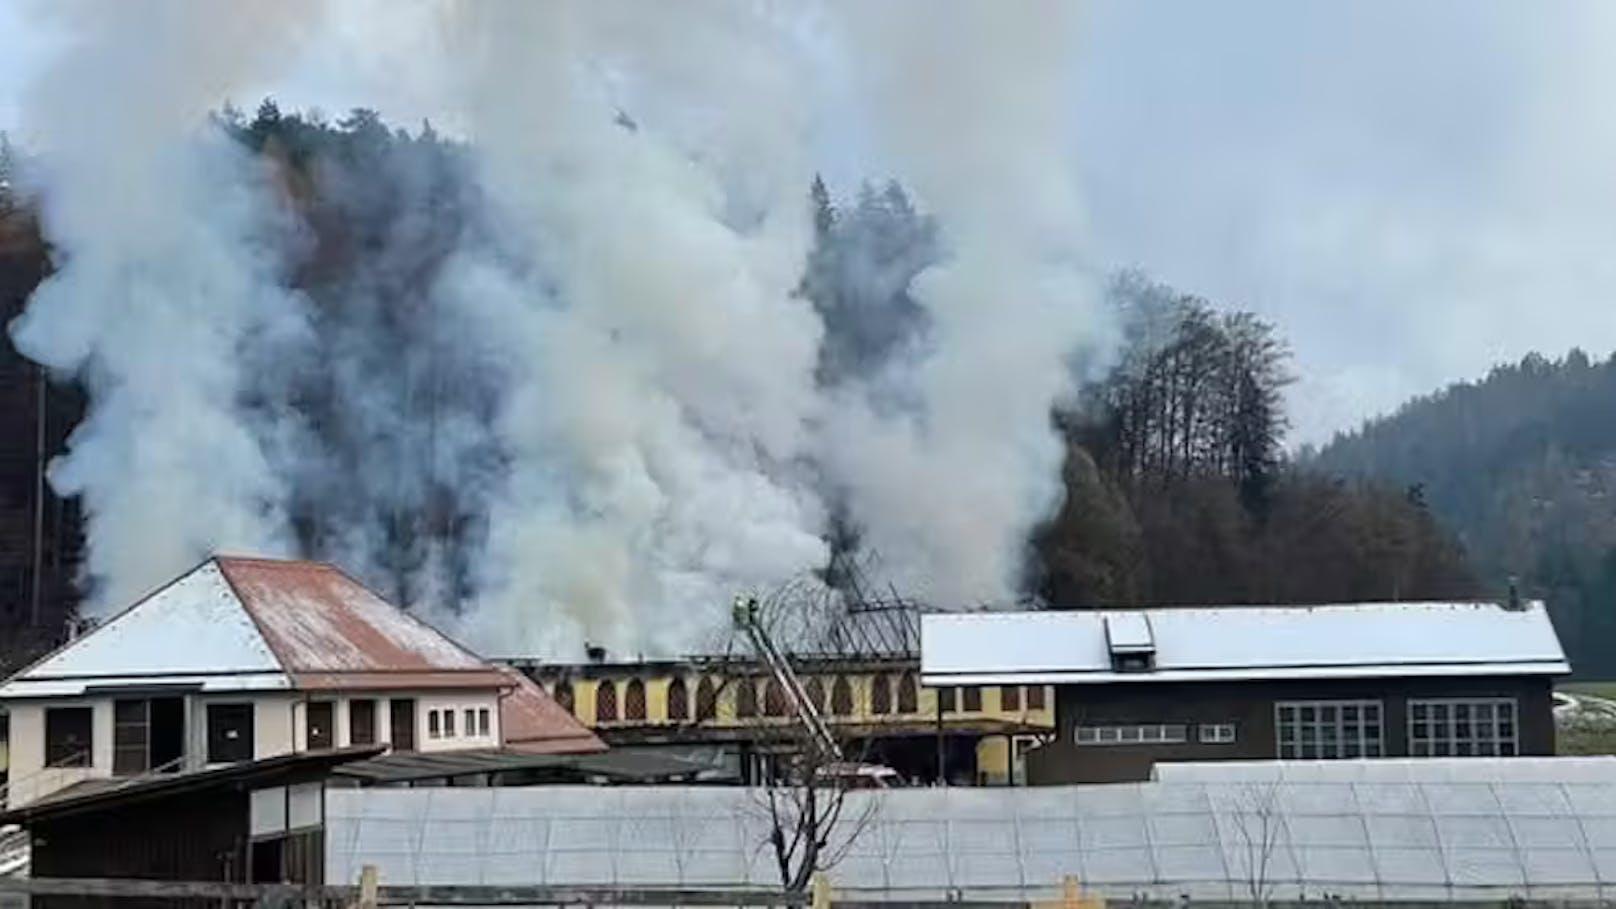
x=1231, y=643
x=238, y=624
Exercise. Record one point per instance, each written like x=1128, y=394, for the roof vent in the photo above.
x=1131, y=642
x=1513, y=604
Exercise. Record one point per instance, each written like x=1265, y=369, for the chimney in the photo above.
x=1513, y=604
x=77, y=627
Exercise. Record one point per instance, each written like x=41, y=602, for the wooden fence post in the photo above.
x=369, y=885
x=819, y=891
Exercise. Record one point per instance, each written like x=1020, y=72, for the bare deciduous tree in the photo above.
x=814, y=817
x=1258, y=823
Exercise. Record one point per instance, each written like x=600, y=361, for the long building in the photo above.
x=1140, y=687
x=876, y=705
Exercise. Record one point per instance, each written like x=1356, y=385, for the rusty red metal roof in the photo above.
x=533, y=723
x=327, y=630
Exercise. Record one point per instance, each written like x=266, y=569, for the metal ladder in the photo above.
x=819, y=734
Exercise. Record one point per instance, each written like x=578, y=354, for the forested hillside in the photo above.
x=1178, y=490
x=1522, y=464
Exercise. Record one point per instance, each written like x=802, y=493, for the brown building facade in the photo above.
x=1102, y=731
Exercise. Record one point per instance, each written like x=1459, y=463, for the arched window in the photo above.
x=745, y=697
x=678, y=700
x=816, y=693
x=880, y=694
x=606, y=702
x=841, y=697
x=563, y=695
x=908, y=695
x=706, y=699
x=634, y=700
x=1009, y=697
x=774, y=699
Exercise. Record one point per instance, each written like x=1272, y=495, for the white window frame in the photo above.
x=1434, y=726
x=1338, y=730
x=1216, y=733
x=1139, y=734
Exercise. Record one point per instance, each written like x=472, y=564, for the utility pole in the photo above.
x=37, y=597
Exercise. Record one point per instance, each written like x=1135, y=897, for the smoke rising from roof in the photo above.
x=644, y=419
x=967, y=103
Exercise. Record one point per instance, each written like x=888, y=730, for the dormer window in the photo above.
x=1131, y=642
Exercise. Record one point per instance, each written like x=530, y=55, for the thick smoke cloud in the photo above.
x=967, y=104
x=659, y=366
x=607, y=362
x=167, y=289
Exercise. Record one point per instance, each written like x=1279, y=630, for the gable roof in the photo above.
x=239, y=624
x=330, y=631
x=531, y=722
x=1241, y=643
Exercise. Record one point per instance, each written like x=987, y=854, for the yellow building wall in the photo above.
x=585, y=693
x=993, y=760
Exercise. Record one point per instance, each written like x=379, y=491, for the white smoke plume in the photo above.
x=613, y=378
x=661, y=368
x=165, y=281
x=970, y=104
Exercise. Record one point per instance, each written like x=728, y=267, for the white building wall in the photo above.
x=274, y=726
x=279, y=727
x=384, y=720
x=459, y=702
x=29, y=779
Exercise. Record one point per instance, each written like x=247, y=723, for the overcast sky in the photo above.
x=1412, y=191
